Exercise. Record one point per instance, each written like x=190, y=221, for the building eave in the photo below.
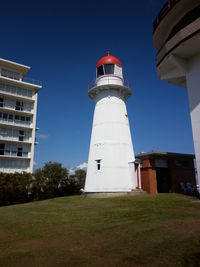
x=144, y=155
x=15, y=66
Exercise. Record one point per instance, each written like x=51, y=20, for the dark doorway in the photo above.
x=2, y=148
x=19, y=151
x=163, y=180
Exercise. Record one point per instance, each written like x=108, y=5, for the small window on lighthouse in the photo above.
x=98, y=161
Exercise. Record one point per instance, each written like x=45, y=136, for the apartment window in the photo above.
x=98, y=161
x=29, y=92
x=1, y=102
x=22, y=119
x=11, y=89
x=19, y=151
x=2, y=147
x=19, y=106
x=2, y=86
x=16, y=117
x=161, y=163
x=24, y=92
x=19, y=91
x=5, y=116
x=10, y=117
x=21, y=135
x=3, y=131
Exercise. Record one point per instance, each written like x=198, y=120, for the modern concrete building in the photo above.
x=18, y=105
x=177, y=40
x=165, y=172
x=111, y=164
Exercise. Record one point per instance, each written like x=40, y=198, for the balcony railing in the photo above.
x=13, y=153
x=14, y=90
x=126, y=82
x=163, y=12
x=14, y=139
x=15, y=122
x=31, y=81
x=15, y=107
x=24, y=79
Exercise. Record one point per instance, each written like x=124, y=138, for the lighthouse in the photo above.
x=111, y=164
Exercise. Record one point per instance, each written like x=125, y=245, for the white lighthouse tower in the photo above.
x=111, y=163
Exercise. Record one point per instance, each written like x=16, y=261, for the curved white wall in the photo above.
x=193, y=85
x=111, y=143
x=109, y=79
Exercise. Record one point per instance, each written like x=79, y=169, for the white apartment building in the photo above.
x=18, y=106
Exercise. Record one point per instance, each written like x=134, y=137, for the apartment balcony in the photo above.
x=14, y=154
x=163, y=12
x=11, y=139
x=4, y=107
x=17, y=93
x=16, y=96
x=175, y=16
x=24, y=82
x=15, y=123
x=32, y=81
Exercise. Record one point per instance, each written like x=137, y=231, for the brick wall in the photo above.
x=177, y=173
x=148, y=180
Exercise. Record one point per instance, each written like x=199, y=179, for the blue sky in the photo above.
x=62, y=42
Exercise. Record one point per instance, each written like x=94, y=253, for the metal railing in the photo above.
x=15, y=107
x=15, y=122
x=14, y=139
x=24, y=79
x=126, y=82
x=13, y=153
x=31, y=81
x=163, y=12
x=13, y=90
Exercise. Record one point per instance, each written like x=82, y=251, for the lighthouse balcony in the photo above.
x=109, y=79
x=109, y=82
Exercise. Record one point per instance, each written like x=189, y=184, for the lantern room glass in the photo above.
x=105, y=69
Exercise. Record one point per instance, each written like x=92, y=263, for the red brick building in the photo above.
x=163, y=172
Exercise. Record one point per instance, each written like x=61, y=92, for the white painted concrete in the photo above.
x=111, y=142
x=109, y=79
x=193, y=85
x=178, y=59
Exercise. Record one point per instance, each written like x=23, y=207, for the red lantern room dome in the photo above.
x=108, y=59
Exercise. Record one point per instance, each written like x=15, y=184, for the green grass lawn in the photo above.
x=145, y=230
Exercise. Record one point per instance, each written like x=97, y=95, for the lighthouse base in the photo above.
x=114, y=194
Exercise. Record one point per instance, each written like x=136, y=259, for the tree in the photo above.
x=39, y=185
x=15, y=188
x=80, y=176
x=68, y=186
x=50, y=181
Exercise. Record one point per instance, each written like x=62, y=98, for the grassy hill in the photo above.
x=146, y=230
